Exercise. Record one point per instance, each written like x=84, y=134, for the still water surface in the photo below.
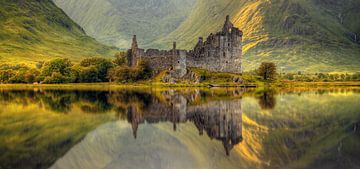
x=178, y=129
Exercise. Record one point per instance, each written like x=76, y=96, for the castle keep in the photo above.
x=220, y=52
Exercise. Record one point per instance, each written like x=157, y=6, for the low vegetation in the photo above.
x=320, y=77
x=89, y=70
x=97, y=70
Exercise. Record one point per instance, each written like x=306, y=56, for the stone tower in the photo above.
x=228, y=25
x=132, y=53
x=230, y=48
x=179, y=62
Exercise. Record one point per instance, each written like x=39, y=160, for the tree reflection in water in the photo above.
x=267, y=99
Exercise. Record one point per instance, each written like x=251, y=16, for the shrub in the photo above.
x=120, y=59
x=18, y=74
x=5, y=75
x=143, y=71
x=86, y=74
x=96, y=69
x=125, y=74
x=57, y=71
x=120, y=74
x=56, y=78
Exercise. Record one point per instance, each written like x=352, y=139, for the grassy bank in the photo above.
x=149, y=84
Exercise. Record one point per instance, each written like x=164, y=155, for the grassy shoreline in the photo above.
x=167, y=85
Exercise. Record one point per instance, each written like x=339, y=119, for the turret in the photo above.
x=134, y=44
x=227, y=25
x=174, y=46
x=132, y=58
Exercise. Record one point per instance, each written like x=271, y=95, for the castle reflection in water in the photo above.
x=217, y=113
x=221, y=120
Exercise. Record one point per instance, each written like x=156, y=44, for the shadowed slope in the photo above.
x=115, y=21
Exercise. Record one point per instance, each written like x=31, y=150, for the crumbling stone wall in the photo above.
x=221, y=52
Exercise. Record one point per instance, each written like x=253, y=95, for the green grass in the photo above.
x=32, y=31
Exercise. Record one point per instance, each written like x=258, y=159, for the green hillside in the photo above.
x=37, y=30
x=113, y=22
x=298, y=35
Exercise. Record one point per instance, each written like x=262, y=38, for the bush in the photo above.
x=55, y=78
x=120, y=74
x=125, y=74
x=86, y=74
x=57, y=71
x=95, y=69
x=120, y=59
x=5, y=75
x=18, y=74
x=143, y=71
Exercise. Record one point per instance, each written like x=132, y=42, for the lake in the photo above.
x=156, y=128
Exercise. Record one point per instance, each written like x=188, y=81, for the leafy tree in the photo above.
x=267, y=71
x=267, y=100
x=5, y=75
x=99, y=65
x=144, y=71
x=126, y=74
x=56, y=78
x=120, y=74
x=86, y=74
x=120, y=58
x=57, y=71
x=40, y=64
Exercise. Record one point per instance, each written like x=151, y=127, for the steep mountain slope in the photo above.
x=37, y=30
x=299, y=35
x=114, y=22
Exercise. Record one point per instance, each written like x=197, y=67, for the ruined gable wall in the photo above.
x=220, y=53
x=157, y=60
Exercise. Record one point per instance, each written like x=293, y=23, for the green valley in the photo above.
x=113, y=22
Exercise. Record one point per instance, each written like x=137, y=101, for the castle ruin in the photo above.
x=221, y=52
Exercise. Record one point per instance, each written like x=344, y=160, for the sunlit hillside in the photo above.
x=37, y=30
x=298, y=35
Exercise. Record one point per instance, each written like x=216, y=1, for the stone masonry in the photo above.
x=221, y=52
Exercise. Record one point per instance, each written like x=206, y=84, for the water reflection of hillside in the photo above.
x=283, y=127
x=218, y=114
